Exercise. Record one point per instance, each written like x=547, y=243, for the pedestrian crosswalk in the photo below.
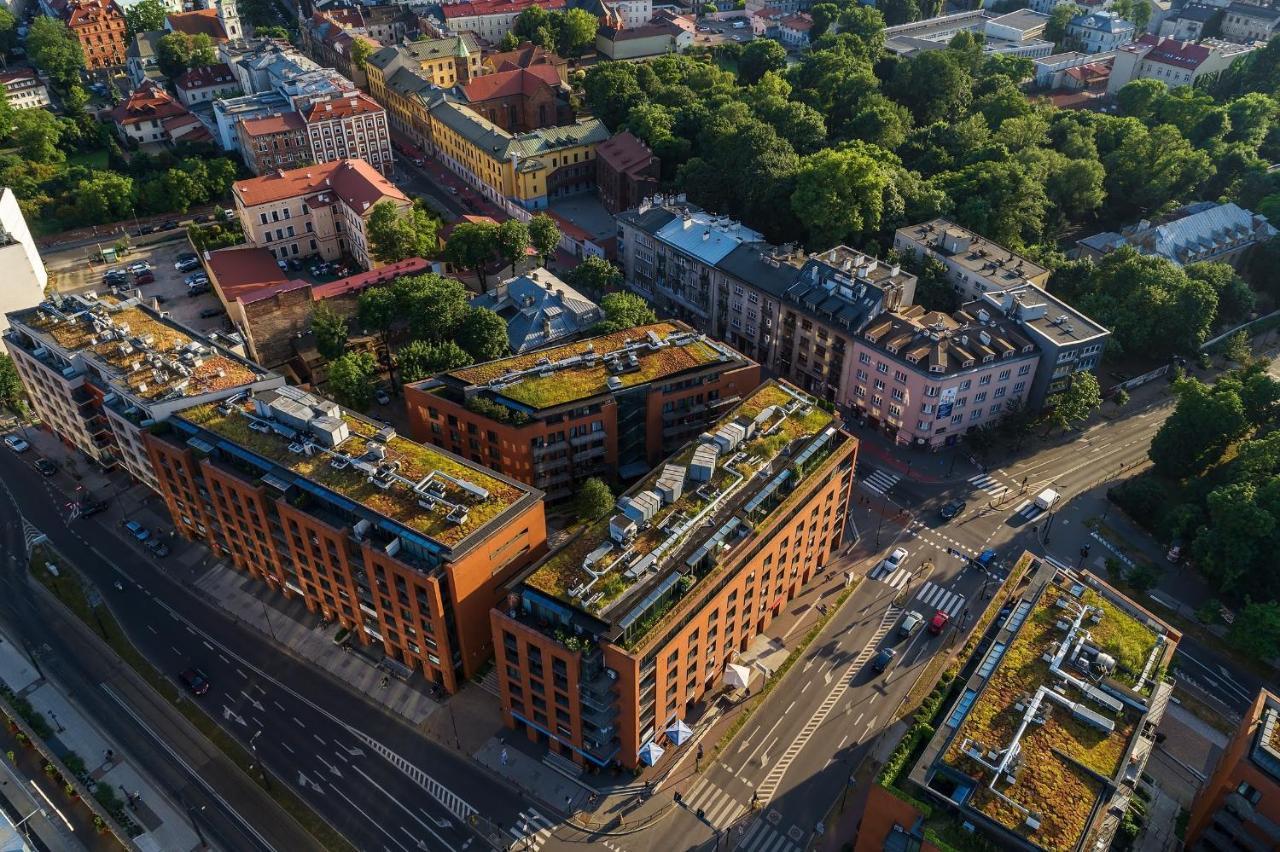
x=531, y=830
x=880, y=481
x=761, y=836
x=989, y=484
x=896, y=578
x=1028, y=510
x=934, y=596
x=712, y=804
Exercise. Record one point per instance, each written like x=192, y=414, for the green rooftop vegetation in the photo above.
x=564, y=571
x=396, y=502
x=1063, y=761
x=566, y=385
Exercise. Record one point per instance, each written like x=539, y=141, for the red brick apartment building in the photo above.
x=408, y=547
x=612, y=405
x=602, y=645
x=1239, y=806
x=99, y=26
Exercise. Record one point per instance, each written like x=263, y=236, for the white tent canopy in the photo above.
x=739, y=676
x=651, y=752
x=678, y=732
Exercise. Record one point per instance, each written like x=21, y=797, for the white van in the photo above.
x=1046, y=498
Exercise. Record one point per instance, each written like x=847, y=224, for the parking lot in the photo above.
x=714, y=32
x=203, y=313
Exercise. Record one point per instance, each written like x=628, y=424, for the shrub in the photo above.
x=1143, y=499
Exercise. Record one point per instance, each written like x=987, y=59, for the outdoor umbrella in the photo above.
x=650, y=752
x=739, y=676
x=678, y=732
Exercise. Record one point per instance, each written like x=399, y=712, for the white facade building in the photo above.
x=24, y=279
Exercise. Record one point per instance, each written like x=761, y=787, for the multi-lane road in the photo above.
x=374, y=779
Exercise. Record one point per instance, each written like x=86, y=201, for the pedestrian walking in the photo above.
x=504, y=757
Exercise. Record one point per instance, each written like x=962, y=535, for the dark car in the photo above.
x=186, y=262
x=195, y=681
x=210, y=312
x=158, y=547
x=884, y=659
x=194, y=290
x=952, y=509
x=47, y=467
x=147, y=277
x=169, y=225
x=91, y=507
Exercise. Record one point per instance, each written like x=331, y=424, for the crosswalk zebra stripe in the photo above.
x=937, y=597
x=531, y=830
x=879, y=481
x=989, y=484
x=719, y=808
x=897, y=579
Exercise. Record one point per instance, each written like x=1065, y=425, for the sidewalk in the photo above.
x=162, y=823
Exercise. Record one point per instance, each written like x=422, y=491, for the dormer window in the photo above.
x=893, y=350
x=937, y=368
x=986, y=359
x=914, y=359
x=968, y=362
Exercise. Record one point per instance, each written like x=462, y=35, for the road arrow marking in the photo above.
x=257, y=705
x=231, y=715
x=304, y=782
x=333, y=769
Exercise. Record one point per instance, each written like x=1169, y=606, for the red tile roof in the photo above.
x=205, y=76
x=244, y=272
x=518, y=81
x=341, y=106
x=800, y=22
x=81, y=12
x=1171, y=51
x=148, y=101
x=186, y=128
x=526, y=55
x=201, y=21
x=495, y=7
x=267, y=125
x=363, y=280
x=357, y=183
x=624, y=153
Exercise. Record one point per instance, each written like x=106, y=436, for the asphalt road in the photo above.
x=376, y=780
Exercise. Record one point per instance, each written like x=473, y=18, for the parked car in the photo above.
x=137, y=530
x=47, y=467
x=952, y=509
x=18, y=445
x=1175, y=554
x=939, y=622
x=147, y=277
x=195, y=279
x=115, y=277
x=139, y=267
x=158, y=547
x=169, y=225
x=884, y=659
x=91, y=507
x=194, y=290
x=210, y=312
x=186, y=262
x=894, y=560
x=910, y=624
x=196, y=682
x=381, y=396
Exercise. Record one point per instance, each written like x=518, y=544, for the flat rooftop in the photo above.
x=974, y=252
x=670, y=530
x=150, y=357
x=1053, y=711
x=577, y=371
x=428, y=490
x=1044, y=314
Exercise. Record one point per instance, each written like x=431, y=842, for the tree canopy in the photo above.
x=56, y=51
x=353, y=379
x=176, y=52
x=145, y=16
x=397, y=234
x=473, y=246
x=623, y=311
x=330, y=329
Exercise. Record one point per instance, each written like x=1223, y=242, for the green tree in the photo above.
x=281, y=34
x=593, y=501
x=1153, y=168
x=420, y=359
x=361, y=50
x=473, y=246
x=897, y=12
x=839, y=194
x=352, y=379
x=759, y=58
x=56, y=51
x=623, y=311
x=1237, y=348
x=145, y=16
x=435, y=306
x=378, y=309
x=881, y=121
x=594, y=276
x=330, y=329
x=8, y=31
x=13, y=397
x=544, y=235
x=1204, y=422
x=1140, y=98
x=483, y=334
x=397, y=234
x=577, y=32
x=8, y=113
x=824, y=15
x=36, y=133
x=1001, y=200
x=1055, y=29
x=176, y=52
x=1074, y=405
x=1256, y=630
x=933, y=85
x=1235, y=299
x=513, y=241
x=104, y=197
x=510, y=41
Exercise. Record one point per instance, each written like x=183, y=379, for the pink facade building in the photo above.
x=925, y=378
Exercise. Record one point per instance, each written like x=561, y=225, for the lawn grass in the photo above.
x=67, y=587
x=96, y=159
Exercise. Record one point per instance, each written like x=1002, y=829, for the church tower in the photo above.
x=229, y=16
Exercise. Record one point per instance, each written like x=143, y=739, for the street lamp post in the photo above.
x=1047, y=527
x=880, y=522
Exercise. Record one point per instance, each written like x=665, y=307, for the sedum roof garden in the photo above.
x=372, y=466
x=676, y=525
x=1081, y=731
x=564, y=374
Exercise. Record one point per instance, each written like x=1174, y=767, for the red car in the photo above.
x=939, y=622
